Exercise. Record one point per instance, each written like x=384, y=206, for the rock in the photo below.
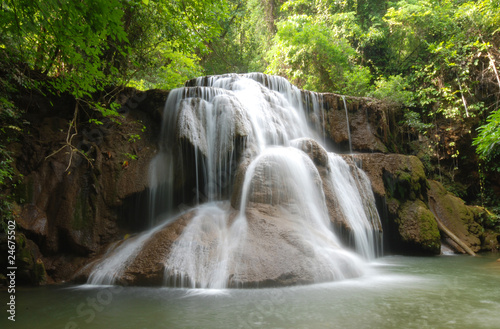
x=34, y=221
x=459, y=218
x=490, y=241
x=274, y=178
x=400, y=185
x=148, y=267
x=277, y=252
x=315, y=151
x=273, y=251
x=286, y=241
x=395, y=175
x=30, y=267
x=418, y=230
x=366, y=118
x=224, y=116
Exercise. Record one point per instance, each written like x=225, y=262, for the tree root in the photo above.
x=69, y=139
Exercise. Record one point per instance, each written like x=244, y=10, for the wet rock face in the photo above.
x=315, y=151
x=284, y=238
x=417, y=228
x=30, y=267
x=71, y=206
x=276, y=253
x=148, y=267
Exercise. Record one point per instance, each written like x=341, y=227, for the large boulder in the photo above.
x=282, y=248
x=400, y=184
x=276, y=248
x=417, y=230
x=148, y=267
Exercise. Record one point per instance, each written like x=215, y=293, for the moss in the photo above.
x=429, y=232
x=464, y=221
x=418, y=228
x=27, y=261
x=403, y=185
x=407, y=181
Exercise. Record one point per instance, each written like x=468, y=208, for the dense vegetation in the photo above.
x=437, y=60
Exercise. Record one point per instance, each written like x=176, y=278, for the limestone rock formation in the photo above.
x=148, y=267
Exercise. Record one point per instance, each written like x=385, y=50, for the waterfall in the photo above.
x=242, y=155
x=348, y=127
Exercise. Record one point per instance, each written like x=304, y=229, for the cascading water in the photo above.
x=356, y=203
x=348, y=126
x=237, y=153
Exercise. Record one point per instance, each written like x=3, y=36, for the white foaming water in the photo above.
x=348, y=126
x=115, y=261
x=199, y=258
x=356, y=202
x=247, y=121
x=295, y=181
x=294, y=184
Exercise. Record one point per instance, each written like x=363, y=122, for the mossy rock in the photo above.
x=460, y=219
x=407, y=181
x=30, y=266
x=417, y=228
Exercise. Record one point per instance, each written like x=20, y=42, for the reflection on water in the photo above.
x=400, y=292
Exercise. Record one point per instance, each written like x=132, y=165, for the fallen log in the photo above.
x=452, y=236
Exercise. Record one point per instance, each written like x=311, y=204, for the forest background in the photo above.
x=436, y=62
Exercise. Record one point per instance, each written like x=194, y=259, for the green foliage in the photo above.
x=168, y=39
x=180, y=67
x=6, y=170
x=130, y=156
x=310, y=55
x=89, y=45
x=243, y=42
x=394, y=89
x=488, y=140
x=413, y=121
x=8, y=179
x=132, y=138
x=357, y=81
x=38, y=33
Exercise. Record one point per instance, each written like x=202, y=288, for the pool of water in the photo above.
x=399, y=292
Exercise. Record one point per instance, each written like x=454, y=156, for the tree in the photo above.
x=243, y=41
x=310, y=54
